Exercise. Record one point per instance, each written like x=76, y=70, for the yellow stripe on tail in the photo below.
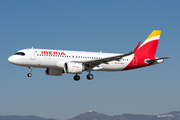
x=154, y=33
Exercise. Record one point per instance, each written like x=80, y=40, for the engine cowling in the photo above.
x=73, y=68
x=52, y=71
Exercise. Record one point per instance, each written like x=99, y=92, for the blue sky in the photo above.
x=111, y=26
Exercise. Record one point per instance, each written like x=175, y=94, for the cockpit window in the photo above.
x=20, y=53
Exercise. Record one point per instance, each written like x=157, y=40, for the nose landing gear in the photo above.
x=30, y=70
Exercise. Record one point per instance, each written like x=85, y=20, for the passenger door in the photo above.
x=32, y=54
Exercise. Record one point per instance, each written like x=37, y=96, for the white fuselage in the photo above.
x=46, y=58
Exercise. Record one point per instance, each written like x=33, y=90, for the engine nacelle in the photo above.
x=52, y=71
x=73, y=68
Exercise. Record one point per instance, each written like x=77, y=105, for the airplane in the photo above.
x=57, y=62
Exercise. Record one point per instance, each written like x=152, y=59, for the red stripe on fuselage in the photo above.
x=138, y=62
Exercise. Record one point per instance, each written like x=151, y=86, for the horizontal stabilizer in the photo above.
x=153, y=60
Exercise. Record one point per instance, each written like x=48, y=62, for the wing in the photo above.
x=93, y=63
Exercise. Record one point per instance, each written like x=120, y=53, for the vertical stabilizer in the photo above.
x=149, y=46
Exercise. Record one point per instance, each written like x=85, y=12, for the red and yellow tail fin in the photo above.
x=149, y=46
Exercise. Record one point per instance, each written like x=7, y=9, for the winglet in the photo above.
x=137, y=47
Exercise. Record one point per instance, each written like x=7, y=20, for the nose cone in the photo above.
x=12, y=59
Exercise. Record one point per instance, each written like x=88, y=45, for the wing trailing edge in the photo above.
x=93, y=63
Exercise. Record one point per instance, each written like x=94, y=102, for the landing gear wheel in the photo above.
x=30, y=70
x=89, y=76
x=76, y=77
x=29, y=74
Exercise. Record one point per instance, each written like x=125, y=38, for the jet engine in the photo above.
x=51, y=71
x=73, y=68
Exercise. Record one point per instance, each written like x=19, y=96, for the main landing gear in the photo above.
x=30, y=70
x=89, y=76
x=76, y=77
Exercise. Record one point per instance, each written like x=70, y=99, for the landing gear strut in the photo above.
x=30, y=70
x=89, y=76
x=76, y=77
